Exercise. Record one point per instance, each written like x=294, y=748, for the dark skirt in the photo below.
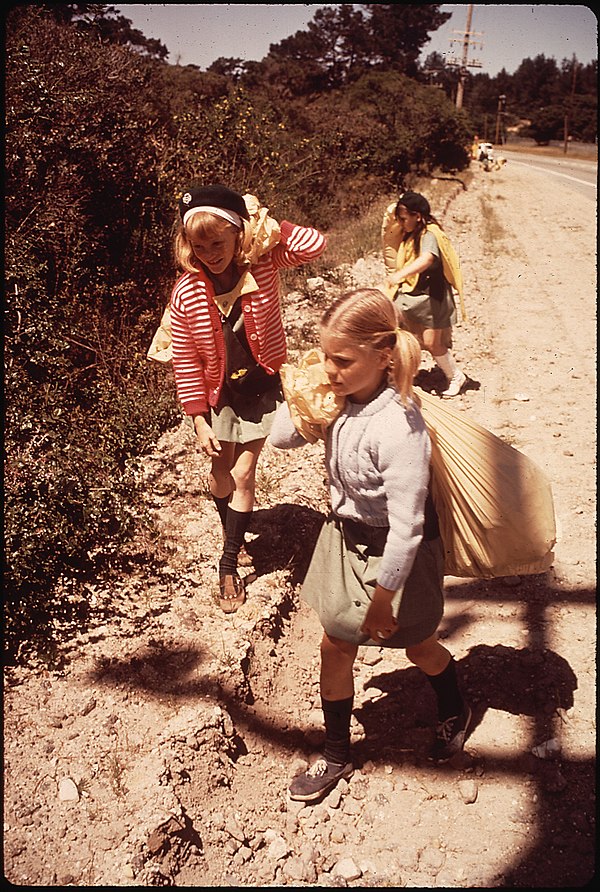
x=342, y=576
x=241, y=419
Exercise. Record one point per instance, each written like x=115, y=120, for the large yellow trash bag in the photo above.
x=265, y=230
x=494, y=504
x=391, y=236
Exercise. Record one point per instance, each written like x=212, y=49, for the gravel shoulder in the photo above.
x=160, y=753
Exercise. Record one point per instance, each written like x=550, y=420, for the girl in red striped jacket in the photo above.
x=228, y=346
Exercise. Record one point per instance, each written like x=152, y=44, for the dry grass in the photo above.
x=357, y=238
x=492, y=230
x=574, y=151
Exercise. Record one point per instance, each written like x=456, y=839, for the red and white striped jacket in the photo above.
x=198, y=343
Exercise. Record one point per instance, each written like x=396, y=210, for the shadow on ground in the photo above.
x=434, y=381
x=534, y=681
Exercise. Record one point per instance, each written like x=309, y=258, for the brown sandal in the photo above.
x=232, y=592
x=244, y=559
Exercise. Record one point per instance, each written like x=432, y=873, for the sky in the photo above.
x=502, y=35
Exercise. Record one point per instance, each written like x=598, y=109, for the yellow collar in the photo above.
x=225, y=302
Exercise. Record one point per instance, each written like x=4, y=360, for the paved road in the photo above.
x=582, y=175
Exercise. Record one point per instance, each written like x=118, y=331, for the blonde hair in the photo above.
x=367, y=317
x=204, y=225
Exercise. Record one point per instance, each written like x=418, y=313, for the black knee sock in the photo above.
x=222, y=504
x=447, y=691
x=337, y=714
x=236, y=524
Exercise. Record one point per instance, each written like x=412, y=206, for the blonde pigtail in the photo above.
x=404, y=365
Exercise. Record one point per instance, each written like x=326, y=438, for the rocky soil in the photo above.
x=161, y=751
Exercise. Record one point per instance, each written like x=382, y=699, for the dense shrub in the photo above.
x=381, y=129
x=82, y=402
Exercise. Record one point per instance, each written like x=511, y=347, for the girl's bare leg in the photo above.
x=337, y=660
x=430, y=656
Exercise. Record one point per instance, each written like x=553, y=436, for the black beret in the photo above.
x=217, y=196
x=415, y=203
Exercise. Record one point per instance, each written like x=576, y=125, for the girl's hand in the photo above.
x=395, y=278
x=206, y=437
x=379, y=623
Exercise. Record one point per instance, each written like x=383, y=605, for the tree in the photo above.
x=535, y=84
x=104, y=21
x=547, y=123
x=437, y=73
x=227, y=67
x=390, y=126
x=343, y=42
x=80, y=213
x=323, y=55
x=400, y=31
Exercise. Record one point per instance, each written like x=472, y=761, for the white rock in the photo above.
x=334, y=798
x=315, y=284
x=337, y=835
x=348, y=869
x=277, y=848
x=234, y=828
x=371, y=657
x=468, y=790
x=67, y=790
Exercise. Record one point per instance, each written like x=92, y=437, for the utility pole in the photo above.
x=499, y=114
x=464, y=63
x=569, y=110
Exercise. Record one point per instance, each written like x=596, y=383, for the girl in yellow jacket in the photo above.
x=420, y=260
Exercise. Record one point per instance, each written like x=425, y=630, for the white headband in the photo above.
x=230, y=216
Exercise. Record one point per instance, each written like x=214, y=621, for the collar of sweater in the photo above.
x=246, y=284
x=381, y=399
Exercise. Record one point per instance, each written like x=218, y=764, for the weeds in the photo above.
x=491, y=228
x=116, y=770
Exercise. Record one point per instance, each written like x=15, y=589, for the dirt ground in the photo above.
x=161, y=751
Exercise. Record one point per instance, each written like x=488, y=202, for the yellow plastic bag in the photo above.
x=312, y=403
x=494, y=504
x=161, y=348
x=265, y=230
x=391, y=236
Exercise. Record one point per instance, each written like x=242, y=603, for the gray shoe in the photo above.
x=450, y=736
x=318, y=780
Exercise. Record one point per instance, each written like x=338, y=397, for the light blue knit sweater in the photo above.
x=377, y=456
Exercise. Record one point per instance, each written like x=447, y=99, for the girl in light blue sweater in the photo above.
x=376, y=575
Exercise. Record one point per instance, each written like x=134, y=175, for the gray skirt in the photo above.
x=342, y=576
x=426, y=311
